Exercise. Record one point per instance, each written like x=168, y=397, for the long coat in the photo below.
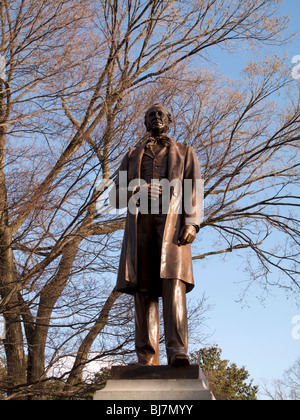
x=176, y=261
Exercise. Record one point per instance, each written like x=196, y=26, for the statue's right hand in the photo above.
x=143, y=189
x=152, y=191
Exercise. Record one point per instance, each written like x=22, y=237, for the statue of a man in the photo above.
x=156, y=258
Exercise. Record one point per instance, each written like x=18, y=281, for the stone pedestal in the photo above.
x=156, y=383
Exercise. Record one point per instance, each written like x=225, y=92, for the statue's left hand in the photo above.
x=187, y=235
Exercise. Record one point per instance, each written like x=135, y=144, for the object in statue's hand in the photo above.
x=187, y=235
x=153, y=191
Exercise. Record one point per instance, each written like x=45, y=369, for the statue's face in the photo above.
x=157, y=120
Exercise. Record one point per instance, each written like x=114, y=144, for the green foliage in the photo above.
x=3, y=376
x=97, y=383
x=226, y=380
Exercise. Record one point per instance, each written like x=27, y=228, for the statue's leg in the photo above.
x=146, y=329
x=175, y=321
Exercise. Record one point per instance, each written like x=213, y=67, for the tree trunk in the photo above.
x=75, y=376
x=14, y=346
x=9, y=306
x=49, y=296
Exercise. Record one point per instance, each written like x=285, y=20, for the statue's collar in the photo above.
x=163, y=139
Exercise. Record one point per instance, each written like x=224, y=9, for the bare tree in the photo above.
x=287, y=388
x=249, y=150
x=73, y=100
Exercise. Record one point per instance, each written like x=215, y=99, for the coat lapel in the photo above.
x=175, y=162
x=136, y=161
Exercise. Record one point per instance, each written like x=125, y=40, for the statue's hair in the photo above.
x=162, y=106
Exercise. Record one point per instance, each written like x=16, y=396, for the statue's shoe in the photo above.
x=179, y=360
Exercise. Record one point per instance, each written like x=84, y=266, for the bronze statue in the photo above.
x=156, y=258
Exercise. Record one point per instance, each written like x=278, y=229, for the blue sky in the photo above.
x=255, y=333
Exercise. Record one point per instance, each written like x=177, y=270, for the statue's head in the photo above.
x=158, y=119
